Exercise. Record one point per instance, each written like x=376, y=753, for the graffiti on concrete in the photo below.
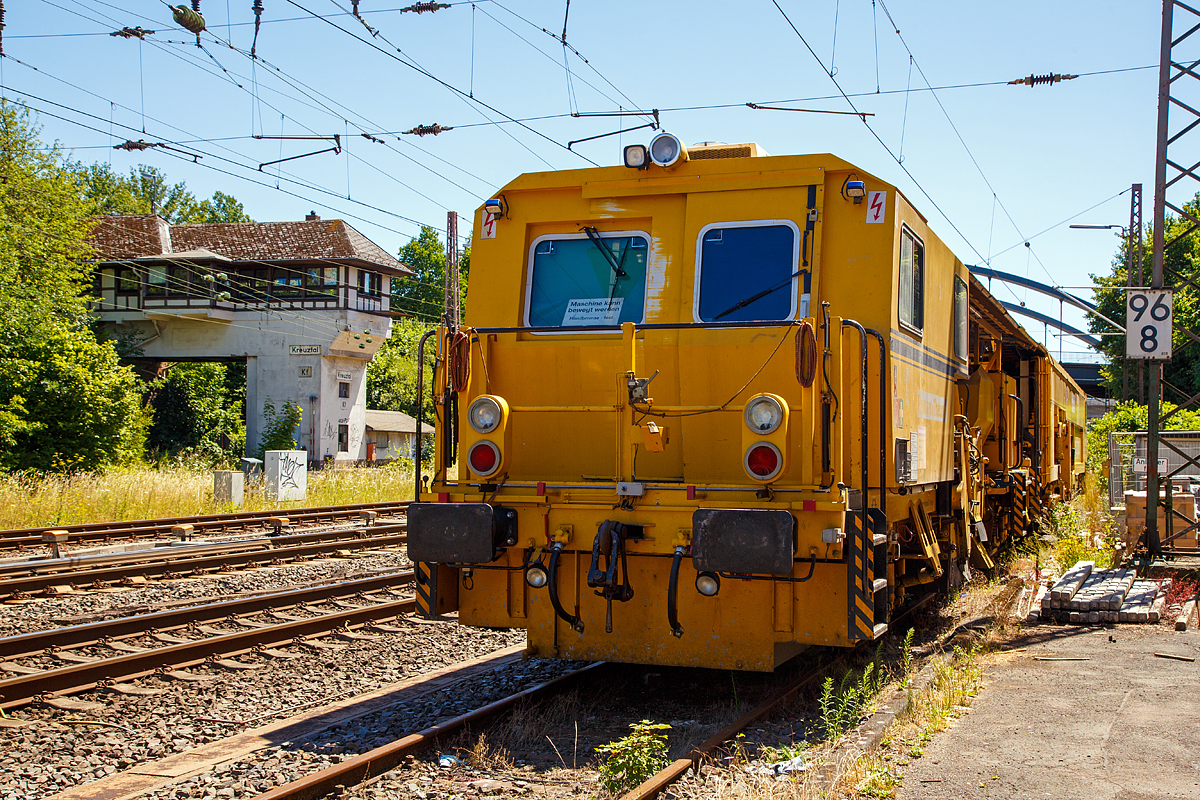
x=289, y=465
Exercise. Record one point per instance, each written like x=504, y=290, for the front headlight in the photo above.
x=763, y=414
x=484, y=414
x=666, y=149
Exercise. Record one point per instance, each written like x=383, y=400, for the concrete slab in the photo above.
x=1120, y=726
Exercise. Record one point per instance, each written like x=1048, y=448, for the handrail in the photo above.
x=862, y=336
x=883, y=404
x=420, y=413
x=644, y=326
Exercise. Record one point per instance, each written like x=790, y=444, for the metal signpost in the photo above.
x=1149, y=324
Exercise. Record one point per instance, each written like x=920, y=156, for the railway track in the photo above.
x=75, y=659
x=363, y=767
x=19, y=539
x=335, y=779
x=21, y=580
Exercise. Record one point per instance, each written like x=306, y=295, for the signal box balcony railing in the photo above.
x=184, y=288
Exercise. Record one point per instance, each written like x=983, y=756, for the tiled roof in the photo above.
x=131, y=236
x=125, y=237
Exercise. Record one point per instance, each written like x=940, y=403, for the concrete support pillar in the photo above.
x=253, y=406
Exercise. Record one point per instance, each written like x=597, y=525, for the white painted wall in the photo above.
x=266, y=341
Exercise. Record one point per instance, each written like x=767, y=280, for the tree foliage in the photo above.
x=145, y=190
x=1132, y=417
x=392, y=373
x=424, y=295
x=65, y=400
x=194, y=405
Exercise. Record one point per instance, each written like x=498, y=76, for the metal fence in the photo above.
x=1127, y=462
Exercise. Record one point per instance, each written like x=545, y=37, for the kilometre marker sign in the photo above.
x=1148, y=317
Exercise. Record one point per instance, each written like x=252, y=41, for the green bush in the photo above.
x=1079, y=536
x=841, y=708
x=279, y=428
x=634, y=758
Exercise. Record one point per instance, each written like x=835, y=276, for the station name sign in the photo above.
x=304, y=349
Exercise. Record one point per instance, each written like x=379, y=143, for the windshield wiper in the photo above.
x=594, y=237
x=760, y=295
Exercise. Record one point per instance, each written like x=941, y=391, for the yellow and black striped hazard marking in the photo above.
x=859, y=579
x=1037, y=499
x=1019, y=508
x=426, y=585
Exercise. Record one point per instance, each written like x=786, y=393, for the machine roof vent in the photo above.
x=722, y=150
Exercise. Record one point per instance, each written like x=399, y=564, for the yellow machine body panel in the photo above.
x=688, y=361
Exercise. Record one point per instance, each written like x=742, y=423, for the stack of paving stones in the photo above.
x=1089, y=595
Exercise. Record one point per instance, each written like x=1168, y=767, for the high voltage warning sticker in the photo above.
x=876, y=205
x=1148, y=318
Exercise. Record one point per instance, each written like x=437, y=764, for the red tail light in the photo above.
x=484, y=458
x=763, y=461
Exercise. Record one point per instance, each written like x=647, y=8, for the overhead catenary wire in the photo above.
x=421, y=70
x=292, y=178
x=340, y=116
x=312, y=187
x=913, y=61
x=586, y=61
x=551, y=58
x=875, y=134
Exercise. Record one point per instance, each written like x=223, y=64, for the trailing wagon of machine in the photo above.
x=711, y=407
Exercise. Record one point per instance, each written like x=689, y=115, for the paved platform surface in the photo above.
x=1123, y=725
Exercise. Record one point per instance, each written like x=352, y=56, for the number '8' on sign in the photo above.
x=1148, y=317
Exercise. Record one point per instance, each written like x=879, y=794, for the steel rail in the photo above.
x=196, y=565
x=148, y=528
x=21, y=690
x=46, y=566
x=363, y=767
x=37, y=642
x=672, y=772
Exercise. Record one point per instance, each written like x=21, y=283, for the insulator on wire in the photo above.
x=132, y=33
x=188, y=19
x=428, y=130
x=421, y=8
x=1037, y=80
x=140, y=144
x=257, y=8
x=1, y=27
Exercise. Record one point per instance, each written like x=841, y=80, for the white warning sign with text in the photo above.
x=597, y=311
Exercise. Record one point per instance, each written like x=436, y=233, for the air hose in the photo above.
x=575, y=622
x=672, y=590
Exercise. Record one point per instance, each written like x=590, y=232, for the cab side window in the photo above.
x=960, y=318
x=912, y=280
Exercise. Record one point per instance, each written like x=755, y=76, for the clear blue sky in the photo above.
x=992, y=166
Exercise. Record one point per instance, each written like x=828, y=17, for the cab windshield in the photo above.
x=587, y=279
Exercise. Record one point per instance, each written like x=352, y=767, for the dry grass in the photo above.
x=530, y=728
x=148, y=493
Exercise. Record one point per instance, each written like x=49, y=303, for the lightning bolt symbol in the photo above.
x=876, y=206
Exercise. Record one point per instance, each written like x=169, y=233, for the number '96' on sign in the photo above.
x=1148, y=321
